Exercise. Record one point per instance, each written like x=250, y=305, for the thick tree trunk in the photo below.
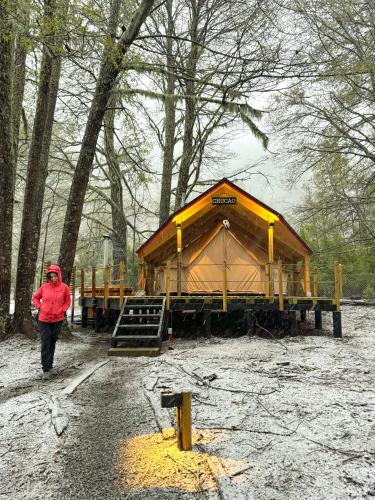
x=37, y=173
x=6, y=164
x=190, y=106
x=110, y=69
x=119, y=224
x=170, y=124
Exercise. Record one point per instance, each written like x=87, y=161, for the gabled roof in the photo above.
x=254, y=205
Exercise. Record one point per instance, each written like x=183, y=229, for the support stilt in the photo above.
x=337, y=327
x=293, y=324
x=207, y=324
x=303, y=316
x=318, y=320
x=84, y=317
x=98, y=319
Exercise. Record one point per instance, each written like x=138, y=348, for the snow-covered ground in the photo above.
x=272, y=418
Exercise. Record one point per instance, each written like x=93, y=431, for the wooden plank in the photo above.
x=70, y=388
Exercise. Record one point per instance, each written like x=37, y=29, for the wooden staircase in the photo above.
x=139, y=328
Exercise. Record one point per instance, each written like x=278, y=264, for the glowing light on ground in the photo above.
x=154, y=461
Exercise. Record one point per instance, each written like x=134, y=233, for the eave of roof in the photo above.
x=223, y=181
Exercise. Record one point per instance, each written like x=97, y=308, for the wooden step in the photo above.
x=136, y=337
x=134, y=351
x=157, y=315
x=138, y=326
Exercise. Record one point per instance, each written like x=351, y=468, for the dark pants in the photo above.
x=49, y=333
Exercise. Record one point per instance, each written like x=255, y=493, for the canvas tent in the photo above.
x=197, y=247
x=203, y=262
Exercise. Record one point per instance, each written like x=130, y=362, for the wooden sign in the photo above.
x=224, y=200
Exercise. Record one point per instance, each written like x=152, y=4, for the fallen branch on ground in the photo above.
x=69, y=389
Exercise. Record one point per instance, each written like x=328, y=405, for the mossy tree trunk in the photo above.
x=37, y=169
x=6, y=162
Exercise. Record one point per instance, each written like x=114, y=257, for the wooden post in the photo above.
x=271, y=278
x=340, y=280
x=207, y=323
x=295, y=280
x=122, y=282
x=281, y=291
x=93, y=283
x=318, y=319
x=179, y=259
x=151, y=286
x=270, y=259
x=73, y=291
x=142, y=281
x=225, y=287
x=183, y=423
x=337, y=326
x=82, y=286
x=168, y=285
x=315, y=280
x=307, y=276
x=337, y=273
x=107, y=278
x=270, y=242
x=293, y=323
x=267, y=283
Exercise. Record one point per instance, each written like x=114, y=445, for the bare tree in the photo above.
x=119, y=223
x=111, y=66
x=326, y=120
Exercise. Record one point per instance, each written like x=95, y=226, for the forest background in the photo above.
x=114, y=114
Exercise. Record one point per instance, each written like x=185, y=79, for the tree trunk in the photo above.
x=190, y=105
x=19, y=72
x=37, y=172
x=110, y=69
x=170, y=124
x=119, y=224
x=6, y=164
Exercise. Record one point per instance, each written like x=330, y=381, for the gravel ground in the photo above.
x=272, y=419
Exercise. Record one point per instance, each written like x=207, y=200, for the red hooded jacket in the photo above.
x=52, y=299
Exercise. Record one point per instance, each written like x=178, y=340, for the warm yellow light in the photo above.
x=154, y=461
x=226, y=190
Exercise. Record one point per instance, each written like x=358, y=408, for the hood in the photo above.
x=53, y=268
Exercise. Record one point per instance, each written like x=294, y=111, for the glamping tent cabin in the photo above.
x=225, y=240
x=225, y=251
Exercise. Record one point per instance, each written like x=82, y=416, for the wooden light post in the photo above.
x=182, y=402
x=270, y=259
x=179, y=257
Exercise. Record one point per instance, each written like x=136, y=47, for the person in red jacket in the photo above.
x=52, y=300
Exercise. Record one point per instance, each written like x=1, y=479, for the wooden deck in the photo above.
x=105, y=310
